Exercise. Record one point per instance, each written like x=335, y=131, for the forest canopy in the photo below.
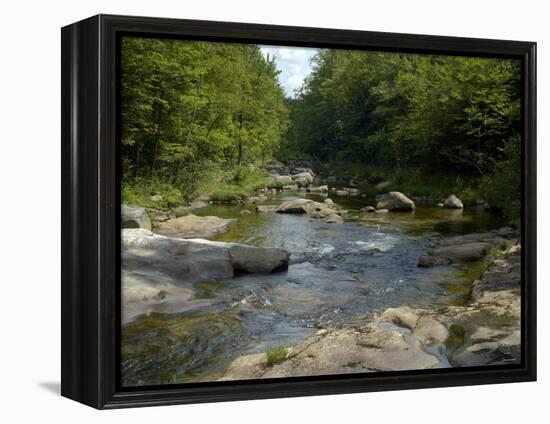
x=407, y=110
x=188, y=106
x=194, y=112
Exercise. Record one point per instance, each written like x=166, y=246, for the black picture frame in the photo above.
x=91, y=211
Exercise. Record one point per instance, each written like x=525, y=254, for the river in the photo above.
x=338, y=275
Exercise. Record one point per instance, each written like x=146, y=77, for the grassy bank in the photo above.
x=412, y=182
x=220, y=186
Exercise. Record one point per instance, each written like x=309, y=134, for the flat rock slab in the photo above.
x=158, y=272
x=322, y=211
x=193, y=226
x=463, y=252
x=491, y=238
x=504, y=274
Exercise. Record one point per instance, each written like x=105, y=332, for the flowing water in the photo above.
x=338, y=275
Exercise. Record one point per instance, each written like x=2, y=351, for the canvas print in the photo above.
x=291, y=212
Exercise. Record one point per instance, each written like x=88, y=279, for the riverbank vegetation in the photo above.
x=203, y=118
x=194, y=111
x=428, y=124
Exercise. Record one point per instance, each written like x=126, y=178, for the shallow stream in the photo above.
x=338, y=274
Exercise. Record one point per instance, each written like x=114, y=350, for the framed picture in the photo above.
x=255, y=211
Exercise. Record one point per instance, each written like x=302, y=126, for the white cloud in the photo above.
x=294, y=64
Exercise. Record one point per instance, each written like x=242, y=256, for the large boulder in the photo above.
x=298, y=206
x=303, y=179
x=394, y=201
x=453, y=202
x=322, y=211
x=197, y=259
x=158, y=272
x=252, y=259
x=134, y=217
x=193, y=226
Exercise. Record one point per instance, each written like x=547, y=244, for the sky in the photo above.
x=293, y=62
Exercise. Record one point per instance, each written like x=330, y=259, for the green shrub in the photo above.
x=456, y=337
x=229, y=194
x=469, y=197
x=181, y=211
x=139, y=192
x=241, y=183
x=276, y=355
x=502, y=189
x=383, y=186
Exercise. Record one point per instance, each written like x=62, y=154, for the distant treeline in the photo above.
x=406, y=110
x=193, y=109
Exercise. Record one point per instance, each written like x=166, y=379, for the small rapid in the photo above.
x=338, y=275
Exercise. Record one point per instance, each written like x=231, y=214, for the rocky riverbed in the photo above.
x=343, y=285
x=485, y=331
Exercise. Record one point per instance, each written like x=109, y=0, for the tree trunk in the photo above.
x=190, y=130
x=157, y=140
x=240, y=152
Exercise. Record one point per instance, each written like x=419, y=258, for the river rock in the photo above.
x=368, y=349
x=153, y=264
x=341, y=193
x=463, y=252
x=369, y=209
x=381, y=210
x=298, y=206
x=303, y=179
x=292, y=187
x=319, y=189
x=492, y=320
x=484, y=331
x=403, y=316
x=193, y=226
x=468, y=247
x=266, y=208
x=323, y=211
x=430, y=331
x=156, y=198
x=491, y=238
x=427, y=261
x=453, y=202
x=245, y=212
x=256, y=199
x=302, y=169
x=283, y=180
x=327, y=215
x=134, y=217
x=394, y=201
x=353, y=191
x=504, y=274
x=252, y=259
x=329, y=202
x=275, y=166
x=506, y=232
